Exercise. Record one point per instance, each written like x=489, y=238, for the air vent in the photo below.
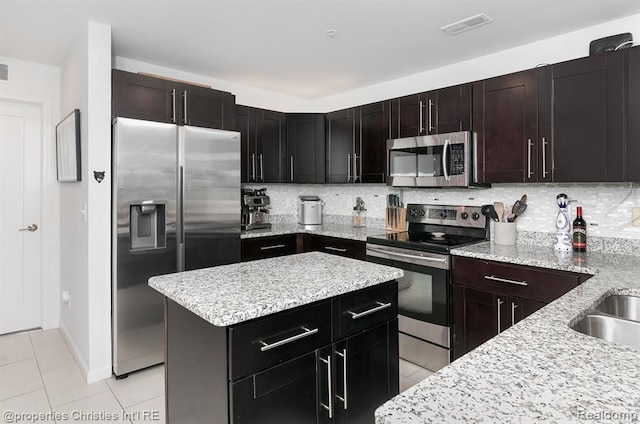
x=4, y=72
x=467, y=24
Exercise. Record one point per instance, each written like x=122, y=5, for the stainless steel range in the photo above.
x=424, y=293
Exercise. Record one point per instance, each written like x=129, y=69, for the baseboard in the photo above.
x=90, y=376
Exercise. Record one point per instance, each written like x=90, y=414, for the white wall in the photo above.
x=606, y=207
x=563, y=47
x=40, y=84
x=85, y=238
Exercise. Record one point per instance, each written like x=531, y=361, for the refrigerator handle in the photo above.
x=180, y=225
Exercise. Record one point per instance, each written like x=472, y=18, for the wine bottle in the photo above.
x=579, y=232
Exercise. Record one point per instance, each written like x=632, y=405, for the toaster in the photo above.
x=309, y=210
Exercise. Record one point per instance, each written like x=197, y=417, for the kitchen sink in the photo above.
x=627, y=307
x=610, y=328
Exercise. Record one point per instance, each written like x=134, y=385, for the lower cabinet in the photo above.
x=268, y=247
x=288, y=244
x=337, y=246
x=489, y=297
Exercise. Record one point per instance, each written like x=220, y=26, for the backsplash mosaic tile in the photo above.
x=606, y=206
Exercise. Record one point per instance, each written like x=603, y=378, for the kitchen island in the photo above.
x=539, y=370
x=300, y=338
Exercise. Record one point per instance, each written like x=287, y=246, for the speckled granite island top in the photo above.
x=230, y=294
x=539, y=370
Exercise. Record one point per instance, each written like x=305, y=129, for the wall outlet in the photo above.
x=635, y=217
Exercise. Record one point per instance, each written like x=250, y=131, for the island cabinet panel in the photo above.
x=489, y=297
x=288, y=367
x=268, y=247
x=155, y=99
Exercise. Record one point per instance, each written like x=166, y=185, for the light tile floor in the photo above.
x=38, y=375
x=411, y=374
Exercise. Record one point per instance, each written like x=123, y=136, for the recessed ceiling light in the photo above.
x=467, y=24
x=331, y=33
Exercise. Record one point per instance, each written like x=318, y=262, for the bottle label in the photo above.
x=579, y=237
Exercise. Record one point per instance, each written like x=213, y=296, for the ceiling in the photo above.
x=282, y=45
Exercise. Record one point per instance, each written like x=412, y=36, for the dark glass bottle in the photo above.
x=579, y=232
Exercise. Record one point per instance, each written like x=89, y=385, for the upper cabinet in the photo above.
x=505, y=120
x=632, y=153
x=155, y=99
x=304, y=159
x=588, y=118
x=263, y=135
x=434, y=112
x=356, y=144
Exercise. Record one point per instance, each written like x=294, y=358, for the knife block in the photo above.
x=396, y=219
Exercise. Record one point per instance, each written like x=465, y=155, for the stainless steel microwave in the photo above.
x=440, y=160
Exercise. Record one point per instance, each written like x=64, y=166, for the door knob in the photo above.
x=31, y=228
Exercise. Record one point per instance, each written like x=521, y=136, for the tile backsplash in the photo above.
x=607, y=207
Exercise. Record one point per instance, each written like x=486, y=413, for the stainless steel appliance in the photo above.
x=176, y=207
x=424, y=292
x=441, y=160
x=310, y=210
x=255, y=207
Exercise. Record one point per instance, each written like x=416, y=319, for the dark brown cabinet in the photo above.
x=304, y=159
x=588, y=118
x=268, y=247
x=144, y=97
x=434, y=112
x=263, y=144
x=356, y=141
x=505, y=120
x=337, y=246
x=489, y=297
x=632, y=151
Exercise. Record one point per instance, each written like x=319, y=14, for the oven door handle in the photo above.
x=404, y=255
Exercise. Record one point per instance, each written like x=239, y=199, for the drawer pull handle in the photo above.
x=380, y=307
x=275, y=246
x=336, y=249
x=504, y=280
x=307, y=332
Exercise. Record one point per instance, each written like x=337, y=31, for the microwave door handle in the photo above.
x=445, y=151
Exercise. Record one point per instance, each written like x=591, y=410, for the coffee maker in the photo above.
x=255, y=207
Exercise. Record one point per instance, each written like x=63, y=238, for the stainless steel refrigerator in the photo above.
x=176, y=207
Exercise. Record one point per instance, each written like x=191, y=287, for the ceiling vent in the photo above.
x=467, y=24
x=4, y=72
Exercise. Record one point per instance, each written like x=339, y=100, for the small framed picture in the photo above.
x=68, y=148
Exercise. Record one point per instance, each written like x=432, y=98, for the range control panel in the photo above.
x=459, y=216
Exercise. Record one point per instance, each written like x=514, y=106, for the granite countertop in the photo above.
x=539, y=370
x=332, y=230
x=230, y=294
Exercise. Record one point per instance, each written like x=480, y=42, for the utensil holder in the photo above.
x=396, y=219
x=505, y=233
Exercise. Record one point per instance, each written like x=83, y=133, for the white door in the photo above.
x=20, y=138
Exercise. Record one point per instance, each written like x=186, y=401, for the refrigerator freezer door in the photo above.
x=144, y=186
x=210, y=162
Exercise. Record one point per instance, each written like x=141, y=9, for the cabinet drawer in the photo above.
x=268, y=341
x=268, y=247
x=526, y=282
x=365, y=308
x=338, y=246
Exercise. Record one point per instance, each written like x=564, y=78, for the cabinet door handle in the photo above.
x=500, y=302
x=529, y=145
x=544, y=157
x=343, y=354
x=505, y=280
x=335, y=249
x=431, y=127
x=380, y=307
x=307, y=332
x=261, y=168
x=349, y=167
x=184, y=107
x=275, y=246
x=173, y=106
x=292, y=168
x=420, y=126
x=513, y=313
x=329, y=386
x=253, y=166
x=355, y=168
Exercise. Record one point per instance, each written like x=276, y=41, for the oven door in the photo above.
x=424, y=292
